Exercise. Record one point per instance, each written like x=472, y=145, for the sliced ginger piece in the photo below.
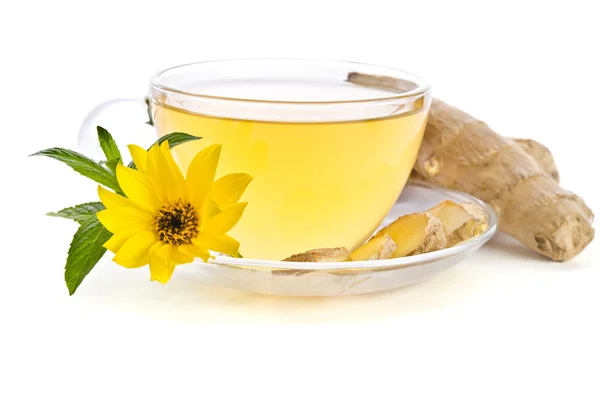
x=461, y=221
x=479, y=222
x=339, y=254
x=454, y=218
x=415, y=234
x=377, y=248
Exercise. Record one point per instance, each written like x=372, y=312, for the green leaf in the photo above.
x=85, y=251
x=112, y=164
x=110, y=149
x=79, y=213
x=174, y=139
x=84, y=165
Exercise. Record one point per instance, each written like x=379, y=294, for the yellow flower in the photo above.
x=166, y=219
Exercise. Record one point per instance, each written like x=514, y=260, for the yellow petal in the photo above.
x=195, y=251
x=163, y=260
x=229, y=189
x=123, y=218
x=161, y=269
x=117, y=240
x=220, y=243
x=222, y=222
x=140, y=157
x=156, y=245
x=166, y=175
x=201, y=173
x=112, y=200
x=138, y=188
x=154, y=173
x=172, y=254
x=135, y=252
x=209, y=209
x=177, y=186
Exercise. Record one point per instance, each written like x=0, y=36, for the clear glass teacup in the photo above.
x=330, y=144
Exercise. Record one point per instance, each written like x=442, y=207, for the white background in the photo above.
x=506, y=322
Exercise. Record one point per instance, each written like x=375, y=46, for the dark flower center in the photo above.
x=176, y=223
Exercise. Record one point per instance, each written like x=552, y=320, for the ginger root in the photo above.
x=541, y=154
x=377, y=248
x=415, y=234
x=517, y=178
x=339, y=254
x=462, y=153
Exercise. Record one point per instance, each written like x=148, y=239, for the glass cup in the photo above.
x=330, y=144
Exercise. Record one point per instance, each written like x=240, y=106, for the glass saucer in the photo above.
x=346, y=278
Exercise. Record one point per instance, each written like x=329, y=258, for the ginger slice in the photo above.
x=339, y=254
x=377, y=248
x=455, y=219
x=461, y=221
x=415, y=234
x=479, y=222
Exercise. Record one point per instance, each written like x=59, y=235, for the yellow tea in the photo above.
x=316, y=184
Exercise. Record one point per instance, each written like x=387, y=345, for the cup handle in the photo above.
x=133, y=114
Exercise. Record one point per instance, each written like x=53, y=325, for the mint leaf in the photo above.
x=110, y=149
x=84, y=165
x=174, y=138
x=85, y=251
x=112, y=164
x=79, y=213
